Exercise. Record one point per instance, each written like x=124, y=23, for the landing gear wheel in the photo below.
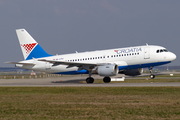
x=89, y=80
x=107, y=79
x=152, y=76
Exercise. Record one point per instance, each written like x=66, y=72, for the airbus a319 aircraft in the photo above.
x=129, y=61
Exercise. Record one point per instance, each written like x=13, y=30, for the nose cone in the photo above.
x=172, y=56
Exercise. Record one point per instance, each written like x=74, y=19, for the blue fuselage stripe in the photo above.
x=120, y=68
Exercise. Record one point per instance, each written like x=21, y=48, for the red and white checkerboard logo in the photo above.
x=28, y=47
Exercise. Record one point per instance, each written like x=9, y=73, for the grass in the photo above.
x=89, y=103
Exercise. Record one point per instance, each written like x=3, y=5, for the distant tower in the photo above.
x=167, y=68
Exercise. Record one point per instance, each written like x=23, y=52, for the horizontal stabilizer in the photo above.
x=20, y=63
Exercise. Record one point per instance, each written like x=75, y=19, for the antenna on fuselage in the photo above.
x=146, y=44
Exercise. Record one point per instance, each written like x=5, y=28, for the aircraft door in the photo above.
x=147, y=53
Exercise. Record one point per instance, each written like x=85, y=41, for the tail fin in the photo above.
x=30, y=48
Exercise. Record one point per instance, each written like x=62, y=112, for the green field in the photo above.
x=89, y=103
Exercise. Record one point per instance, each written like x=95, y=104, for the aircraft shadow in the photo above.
x=76, y=81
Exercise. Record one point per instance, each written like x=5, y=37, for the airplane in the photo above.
x=129, y=61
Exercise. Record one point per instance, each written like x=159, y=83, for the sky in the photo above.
x=66, y=26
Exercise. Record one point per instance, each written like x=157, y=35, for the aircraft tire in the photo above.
x=107, y=79
x=152, y=76
x=89, y=80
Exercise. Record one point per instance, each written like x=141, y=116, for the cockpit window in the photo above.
x=161, y=50
x=165, y=50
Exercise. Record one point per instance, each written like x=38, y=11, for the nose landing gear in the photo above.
x=152, y=76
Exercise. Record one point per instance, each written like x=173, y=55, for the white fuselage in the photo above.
x=125, y=58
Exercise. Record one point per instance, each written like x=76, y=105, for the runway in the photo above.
x=74, y=81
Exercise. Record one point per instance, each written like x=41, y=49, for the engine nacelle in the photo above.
x=133, y=72
x=108, y=70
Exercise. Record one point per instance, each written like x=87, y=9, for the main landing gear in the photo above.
x=107, y=79
x=152, y=76
x=91, y=79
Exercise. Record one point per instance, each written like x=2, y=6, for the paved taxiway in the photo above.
x=73, y=81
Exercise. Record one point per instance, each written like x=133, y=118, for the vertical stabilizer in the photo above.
x=30, y=48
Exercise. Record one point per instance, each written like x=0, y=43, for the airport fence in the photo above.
x=27, y=76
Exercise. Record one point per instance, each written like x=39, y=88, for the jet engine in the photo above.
x=133, y=72
x=108, y=70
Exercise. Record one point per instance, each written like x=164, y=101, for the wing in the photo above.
x=87, y=66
